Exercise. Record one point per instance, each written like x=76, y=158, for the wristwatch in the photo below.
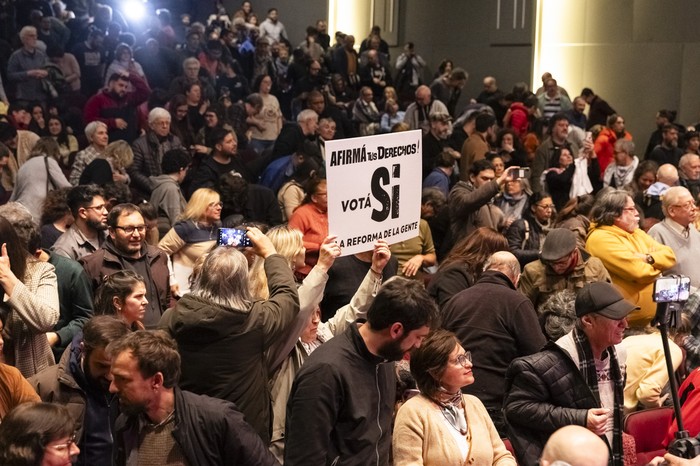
x=650, y=259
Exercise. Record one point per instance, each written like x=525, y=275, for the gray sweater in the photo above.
x=686, y=249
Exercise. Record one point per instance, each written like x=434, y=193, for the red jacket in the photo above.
x=97, y=104
x=605, y=147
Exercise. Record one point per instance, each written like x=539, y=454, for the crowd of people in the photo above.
x=130, y=335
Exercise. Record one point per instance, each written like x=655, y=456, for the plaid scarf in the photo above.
x=587, y=368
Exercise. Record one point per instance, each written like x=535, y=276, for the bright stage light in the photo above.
x=134, y=10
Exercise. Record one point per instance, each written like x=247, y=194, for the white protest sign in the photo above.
x=374, y=189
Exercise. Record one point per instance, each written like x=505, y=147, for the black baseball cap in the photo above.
x=604, y=299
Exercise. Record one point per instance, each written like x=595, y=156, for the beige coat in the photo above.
x=421, y=436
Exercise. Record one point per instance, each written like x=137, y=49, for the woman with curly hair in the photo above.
x=56, y=216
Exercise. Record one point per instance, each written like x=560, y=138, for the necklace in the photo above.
x=167, y=419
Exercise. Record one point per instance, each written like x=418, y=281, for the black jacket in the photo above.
x=524, y=238
x=209, y=431
x=506, y=320
x=544, y=391
x=341, y=406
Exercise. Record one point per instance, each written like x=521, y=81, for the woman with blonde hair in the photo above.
x=123, y=294
x=40, y=174
x=193, y=234
x=110, y=166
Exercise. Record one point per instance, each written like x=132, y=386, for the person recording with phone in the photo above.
x=222, y=332
x=191, y=236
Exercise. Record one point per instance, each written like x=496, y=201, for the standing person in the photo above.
x=549, y=150
x=267, y=124
x=598, y=111
x=80, y=382
x=441, y=367
x=30, y=302
x=126, y=249
x=409, y=72
x=26, y=68
x=579, y=379
x=193, y=235
x=311, y=218
x=87, y=233
x=667, y=151
x=633, y=258
x=167, y=197
x=678, y=231
x=507, y=319
x=115, y=106
x=273, y=28
x=329, y=422
x=448, y=88
x=91, y=58
x=37, y=176
x=604, y=145
x=123, y=294
x=161, y=423
x=219, y=318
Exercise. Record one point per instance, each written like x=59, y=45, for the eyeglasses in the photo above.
x=687, y=206
x=131, y=229
x=63, y=448
x=97, y=207
x=545, y=206
x=463, y=359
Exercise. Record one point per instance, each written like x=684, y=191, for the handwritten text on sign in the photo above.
x=374, y=189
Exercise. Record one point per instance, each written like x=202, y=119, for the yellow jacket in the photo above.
x=633, y=276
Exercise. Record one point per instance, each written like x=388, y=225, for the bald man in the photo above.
x=507, y=319
x=650, y=200
x=418, y=113
x=575, y=446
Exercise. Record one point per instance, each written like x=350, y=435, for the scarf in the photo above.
x=587, y=368
x=451, y=406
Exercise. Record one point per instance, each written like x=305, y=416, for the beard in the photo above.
x=94, y=224
x=131, y=409
x=392, y=350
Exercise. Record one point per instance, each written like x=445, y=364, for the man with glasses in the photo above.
x=677, y=230
x=149, y=150
x=632, y=257
x=126, y=249
x=507, y=318
x=577, y=380
x=561, y=266
x=87, y=233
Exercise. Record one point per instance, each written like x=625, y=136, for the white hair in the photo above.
x=91, y=129
x=158, y=113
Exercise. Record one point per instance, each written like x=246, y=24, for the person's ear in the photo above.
x=117, y=303
x=157, y=381
x=396, y=330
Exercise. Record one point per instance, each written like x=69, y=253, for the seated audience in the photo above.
x=421, y=434
x=633, y=258
x=526, y=235
x=311, y=218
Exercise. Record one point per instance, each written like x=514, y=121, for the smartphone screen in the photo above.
x=671, y=289
x=233, y=237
